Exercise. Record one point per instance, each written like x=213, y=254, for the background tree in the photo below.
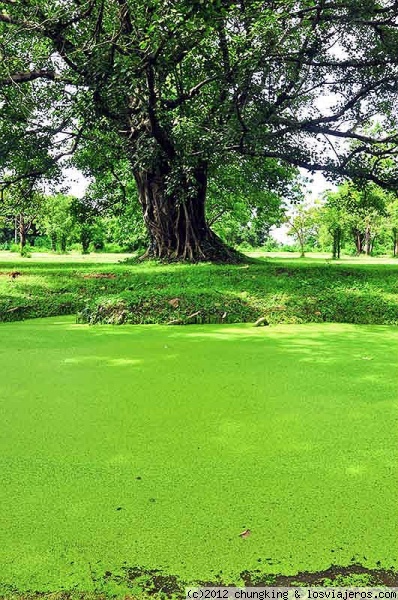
x=56, y=220
x=334, y=220
x=180, y=86
x=364, y=206
x=304, y=223
x=113, y=193
x=84, y=216
x=392, y=224
x=23, y=204
x=246, y=198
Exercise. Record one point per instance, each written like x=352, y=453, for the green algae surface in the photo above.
x=155, y=447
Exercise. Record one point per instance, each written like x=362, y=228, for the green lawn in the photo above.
x=135, y=448
x=288, y=290
x=14, y=258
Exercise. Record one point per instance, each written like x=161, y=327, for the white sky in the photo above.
x=76, y=181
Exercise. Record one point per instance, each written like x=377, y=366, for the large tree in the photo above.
x=180, y=85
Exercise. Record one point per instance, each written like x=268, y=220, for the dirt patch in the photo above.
x=99, y=276
x=11, y=274
x=321, y=578
x=156, y=583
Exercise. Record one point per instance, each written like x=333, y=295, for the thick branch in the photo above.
x=158, y=132
x=31, y=76
x=313, y=166
x=189, y=95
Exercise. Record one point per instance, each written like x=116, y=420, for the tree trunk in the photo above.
x=335, y=244
x=63, y=242
x=368, y=241
x=358, y=238
x=395, y=241
x=174, y=213
x=22, y=233
x=85, y=238
x=338, y=242
x=302, y=245
x=53, y=238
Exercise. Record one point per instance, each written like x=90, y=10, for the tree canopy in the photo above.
x=178, y=87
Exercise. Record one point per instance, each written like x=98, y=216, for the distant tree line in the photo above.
x=245, y=202
x=362, y=219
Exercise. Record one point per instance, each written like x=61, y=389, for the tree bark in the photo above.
x=22, y=233
x=335, y=243
x=368, y=241
x=174, y=212
x=338, y=243
x=53, y=239
x=395, y=241
x=358, y=238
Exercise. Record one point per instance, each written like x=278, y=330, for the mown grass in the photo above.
x=131, y=449
x=290, y=291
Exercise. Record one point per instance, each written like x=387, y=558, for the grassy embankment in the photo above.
x=284, y=290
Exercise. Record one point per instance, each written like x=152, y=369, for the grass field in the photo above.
x=289, y=290
x=111, y=258
x=75, y=257
x=129, y=449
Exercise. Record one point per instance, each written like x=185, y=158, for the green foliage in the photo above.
x=57, y=221
x=248, y=197
x=22, y=203
x=84, y=218
x=126, y=231
x=112, y=193
x=304, y=224
x=392, y=224
x=360, y=216
x=333, y=221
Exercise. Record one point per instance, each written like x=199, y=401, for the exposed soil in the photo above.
x=153, y=582
x=100, y=276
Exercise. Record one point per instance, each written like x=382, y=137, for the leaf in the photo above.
x=245, y=533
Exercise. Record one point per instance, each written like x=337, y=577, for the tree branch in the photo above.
x=312, y=166
x=170, y=104
x=17, y=78
x=158, y=132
